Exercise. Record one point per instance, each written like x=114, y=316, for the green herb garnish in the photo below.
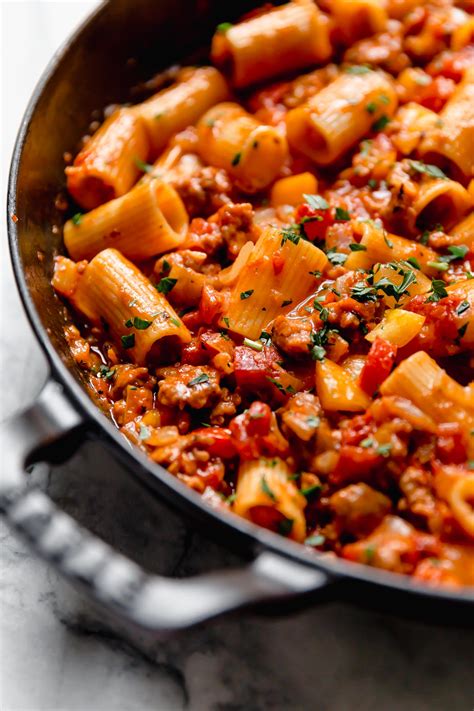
x=199, y=380
x=166, y=285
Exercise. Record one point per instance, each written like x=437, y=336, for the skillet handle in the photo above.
x=128, y=594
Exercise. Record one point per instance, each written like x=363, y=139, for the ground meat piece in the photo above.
x=301, y=415
x=383, y=50
x=204, y=192
x=359, y=508
x=292, y=335
x=196, y=386
x=225, y=408
x=203, y=236
x=416, y=485
x=236, y=225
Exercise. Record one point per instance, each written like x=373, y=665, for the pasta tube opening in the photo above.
x=148, y=220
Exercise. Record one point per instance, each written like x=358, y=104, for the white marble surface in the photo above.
x=54, y=653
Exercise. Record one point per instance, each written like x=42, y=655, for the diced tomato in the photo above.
x=359, y=428
x=218, y=441
x=192, y=320
x=450, y=446
x=378, y=365
x=314, y=222
x=255, y=434
x=452, y=64
x=214, y=343
x=194, y=353
x=211, y=304
x=354, y=464
x=435, y=95
x=252, y=368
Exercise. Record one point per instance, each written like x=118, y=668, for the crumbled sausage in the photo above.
x=205, y=191
x=359, y=508
x=292, y=335
x=196, y=386
x=236, y=225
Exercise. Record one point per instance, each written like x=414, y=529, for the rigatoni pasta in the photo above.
x=174, y=108
x=231, y=138
x=148, y=220
x=107, y=166
x=274, y=283
x=291, y=36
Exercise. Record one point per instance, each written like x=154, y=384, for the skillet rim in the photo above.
x=176, y=493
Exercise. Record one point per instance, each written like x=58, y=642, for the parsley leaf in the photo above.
x=438, y=290
x=289, y=235
x=357, y=247
x=141, y=324
x=316, y=202
x=198, y=380
x=236, y=159
x=358, y=69
x=141, y=165
x=77, y=219
x=284, y=527
x=128, y=341
x=315, y=540
x=224, y=26
x=165, y=285
x=246, y=294
x=381, y=122
x=342, y=214
x=432, y=170
x=462, y=308
x=266, y=489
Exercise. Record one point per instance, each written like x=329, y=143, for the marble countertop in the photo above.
x=56, y=655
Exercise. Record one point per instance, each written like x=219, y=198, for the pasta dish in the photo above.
x=270, y=261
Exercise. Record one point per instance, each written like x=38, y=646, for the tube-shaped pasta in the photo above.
x=383, y=247
x=440, y=201
x=412, y=122
x=395, y=273
x=465, y=322
x=339, y=115
x=290, y=191
x=420, y=379
x=111, y=289
x=106, y=167
x=398, y=327
x=453, y=141
x=148, y=220
x=337, y=389
x=461, y=499
x=463, y=232
x=355, y=19
x=251, y=152
x=276, y=276
x=289, y=37
x=173, y=165
x=266, y=495
x=173, y=109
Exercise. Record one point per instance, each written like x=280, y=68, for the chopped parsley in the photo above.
x=363, y=292
x=199, y=380
x=381, y=123
x=165, y=285
x=144, y=432
x=289, y=234
x=175, y=322
x=388, y=242
x=313, y=421
x=266, y=489
x=236, y=159
x=311, y=491
x=128, y=341
x=358, y=69
x=414, y=262
x=77, y=218
x=336, y=258
x=440, y=266
x=256, y=345
x=438, y=290
x=316, y=273
x=105, y=372
x=372, y=183
x=141, y=165
x=287, y=302
x=367, y=442
x=224, y=26
x=141, y=324
x=432, y=170
x=357, y=247
x=462, y=308
x=316, y=202
x=315, y=540
x=371, y=107
x=266, y=338
x=285, y=526
x=369, y=552
x=246, y=294
x=342, y=214
x=226, y=321
x=458, y=251
x=384, y=449
x=166, y=266
x=424, y=238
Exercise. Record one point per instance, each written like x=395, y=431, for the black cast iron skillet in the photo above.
x=119, y=45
